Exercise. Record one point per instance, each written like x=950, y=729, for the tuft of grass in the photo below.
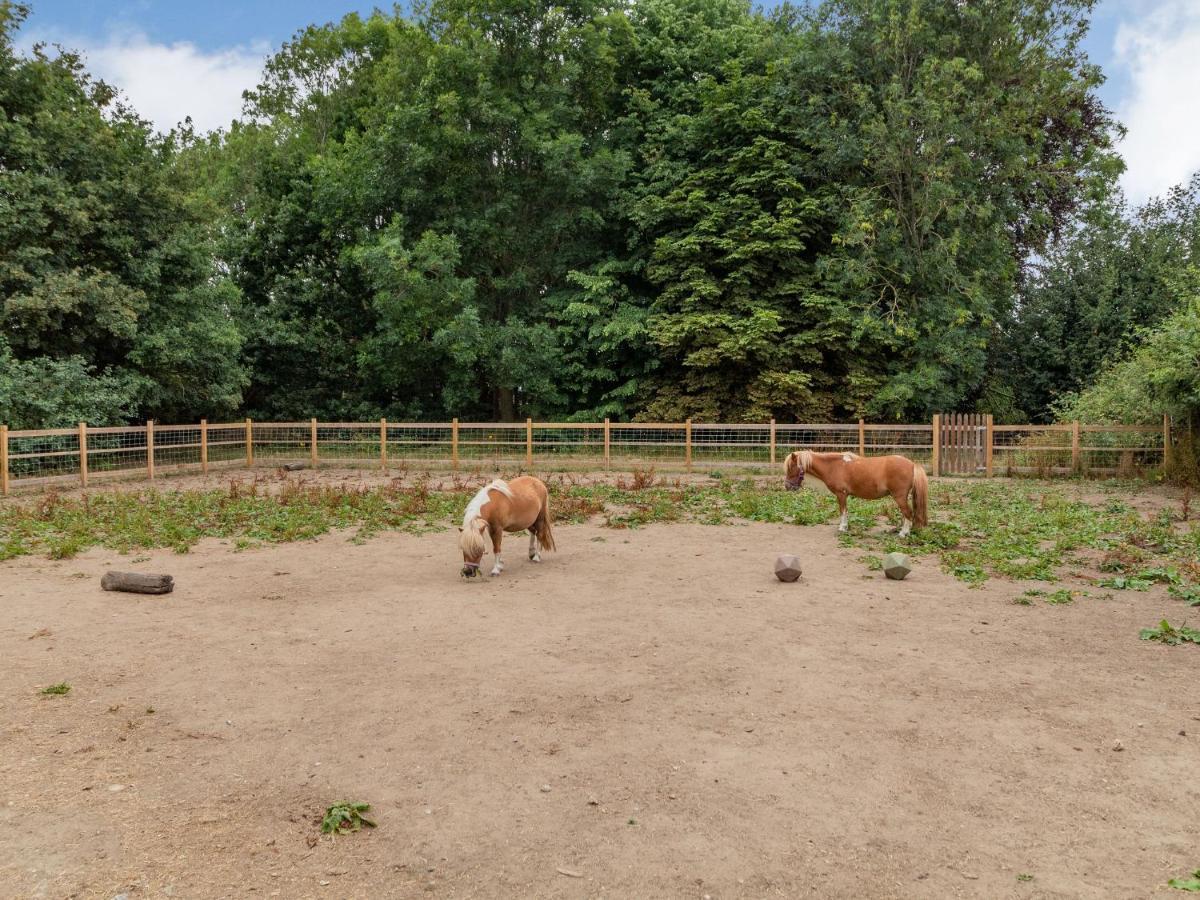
x=874, y=563
x=1126, y=583
x=1166, y=633
x=1187, y=884
x=1188, y=593
x=57, y=689
x=1023, y=877
x=345, y=817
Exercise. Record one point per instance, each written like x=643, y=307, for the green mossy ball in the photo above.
x=896, y=566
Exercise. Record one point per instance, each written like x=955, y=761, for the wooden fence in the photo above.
x=950, y=444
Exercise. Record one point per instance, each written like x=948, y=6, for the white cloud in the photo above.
x=1161, y=51
x=165, y=83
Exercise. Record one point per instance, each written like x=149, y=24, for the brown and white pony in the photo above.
x=517, y=505
x=866, y=477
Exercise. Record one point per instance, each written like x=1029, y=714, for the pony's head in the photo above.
x=473, y=547
x=794, y=467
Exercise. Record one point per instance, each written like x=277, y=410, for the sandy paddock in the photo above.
x=646, y=714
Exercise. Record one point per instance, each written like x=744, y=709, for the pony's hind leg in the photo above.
x=906, y=514
x=533, y=545
x=844, y=524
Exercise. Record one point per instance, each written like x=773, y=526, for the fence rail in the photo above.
x=82, y=454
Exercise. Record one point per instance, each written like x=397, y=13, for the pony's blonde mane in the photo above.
x=471, y=539
x=805, y=458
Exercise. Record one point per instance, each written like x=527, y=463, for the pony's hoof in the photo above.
x=843, y=530
x=535, y=558
x=495, y=572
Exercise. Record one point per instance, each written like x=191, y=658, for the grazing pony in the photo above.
x=851, y=475
x=517, y=505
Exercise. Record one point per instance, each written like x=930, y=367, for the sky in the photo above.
x=174, y=59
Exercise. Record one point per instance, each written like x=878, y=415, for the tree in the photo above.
x=1116, y=271
x=103, y=268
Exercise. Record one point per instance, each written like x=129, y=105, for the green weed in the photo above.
x=1168, y=634
x=345, y=817
x=57, y=689
x=1188, y=593
x=1187, y=884
x=1126, y=583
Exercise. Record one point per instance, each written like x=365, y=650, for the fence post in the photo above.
x=312, y=442
x=772, y=443
x=454, y=443
x=204, y=446
x=83, y=473
x=1166, y=442
x=529, y=443
x=937, y=445
x=607, y=445
x=249, y=443
x=687, y=437
x=1075, y=453
x=150, y=448
x=3, y=460
x=383, y=443
x=989, y=436
x=862, y=438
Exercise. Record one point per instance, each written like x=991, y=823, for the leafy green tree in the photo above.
x=962, y=137
x=103, y=266
x=1116, y=271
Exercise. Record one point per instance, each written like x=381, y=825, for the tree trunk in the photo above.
x=505, y=405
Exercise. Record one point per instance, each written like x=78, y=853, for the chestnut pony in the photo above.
x=867, y=477
x=517, y=505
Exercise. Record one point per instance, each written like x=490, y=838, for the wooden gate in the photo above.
x=963, y=444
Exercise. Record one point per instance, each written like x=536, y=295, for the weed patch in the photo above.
x=345, y=817
x=1166, y=633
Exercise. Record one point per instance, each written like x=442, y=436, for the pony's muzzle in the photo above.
x=470, y=570
x=794, y=484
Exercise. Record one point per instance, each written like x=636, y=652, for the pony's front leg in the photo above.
x=534, y=553
x=497, y=538
x=844, y=524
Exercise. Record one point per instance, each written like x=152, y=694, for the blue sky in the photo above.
x=175, y=59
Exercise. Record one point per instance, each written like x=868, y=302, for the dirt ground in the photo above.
x=647, y=713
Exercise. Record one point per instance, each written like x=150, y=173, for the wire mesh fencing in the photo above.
x=65, y=455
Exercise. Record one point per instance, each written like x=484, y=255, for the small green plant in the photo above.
x=874, y=563
x=1188, y=593
x=1126, y=583
x=631, y=822
x=345, y=817
x=1187, y=884
x=1024, y=877
x=1166, y=633
x=61, y=688
x=1023, y=600
x=1062, y=595
x=1159, y=575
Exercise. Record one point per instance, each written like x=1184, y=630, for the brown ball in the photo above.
x=787, y=567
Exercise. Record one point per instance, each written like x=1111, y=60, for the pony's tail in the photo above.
x=920, y=495
x=545, y=535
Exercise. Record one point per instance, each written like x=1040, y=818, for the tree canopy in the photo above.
x=651, y=209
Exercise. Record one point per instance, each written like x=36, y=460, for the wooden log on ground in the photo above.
x=138, y=583
x=294, y=467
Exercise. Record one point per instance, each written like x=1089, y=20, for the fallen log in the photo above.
x=138, y=583
x=294, y=467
